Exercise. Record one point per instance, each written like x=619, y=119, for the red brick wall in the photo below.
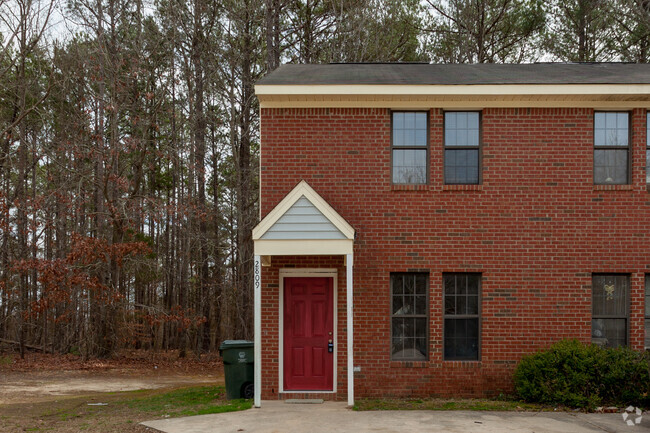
x=537, y=228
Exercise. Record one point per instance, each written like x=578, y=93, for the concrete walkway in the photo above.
x=280, y=417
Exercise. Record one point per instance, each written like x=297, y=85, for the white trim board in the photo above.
x=306, y=272
x=303, y=247
x=604, y=102
x=349, y=262
x=456, y=89
x=456, y=97
x=257, y=337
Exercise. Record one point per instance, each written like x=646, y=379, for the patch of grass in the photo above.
x=447, y=404
x=122, y=412
x=187, y=402
x=6, y=360
x=61, y=413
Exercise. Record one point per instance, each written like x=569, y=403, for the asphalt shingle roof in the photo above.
x=459, y=74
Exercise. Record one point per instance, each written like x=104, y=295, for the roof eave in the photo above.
x=452, y=89
x=597, y=96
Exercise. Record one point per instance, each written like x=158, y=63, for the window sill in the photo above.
x=613, y=188
x=462, y=187
x=409, y=187
x=409, y=364
x=460, y=364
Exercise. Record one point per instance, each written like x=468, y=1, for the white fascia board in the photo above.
x=303, y=247
x=458, y=89
x=281, y=208
x=463, y=103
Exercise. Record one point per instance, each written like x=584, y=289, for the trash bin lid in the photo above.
x=235, y=344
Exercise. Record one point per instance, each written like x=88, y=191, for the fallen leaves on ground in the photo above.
x=133, y=360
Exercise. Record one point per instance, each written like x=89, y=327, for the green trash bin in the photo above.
x=238, y=368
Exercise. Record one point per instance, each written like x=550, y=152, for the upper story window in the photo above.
x=409, y=316
x=462, y=147
x=410, y=147
x=610, y=309
x=611, y=148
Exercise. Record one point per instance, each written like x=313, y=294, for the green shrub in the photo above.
x=581, y=375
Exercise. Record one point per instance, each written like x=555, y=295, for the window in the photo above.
x=647, y=149
x=647, y=312
x=611, y=145
x=409, y=316
x=462, y=144
x=462, y=301
x=609, y=310
x=410, y=144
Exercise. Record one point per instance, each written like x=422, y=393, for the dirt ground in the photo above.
x=65, y=394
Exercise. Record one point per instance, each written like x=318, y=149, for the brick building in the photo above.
x=444, y=220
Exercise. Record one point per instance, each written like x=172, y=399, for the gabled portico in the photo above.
x=304, y=224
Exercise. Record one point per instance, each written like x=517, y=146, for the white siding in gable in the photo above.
x=303, y=221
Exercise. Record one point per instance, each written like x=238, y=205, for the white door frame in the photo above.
x=307, y=272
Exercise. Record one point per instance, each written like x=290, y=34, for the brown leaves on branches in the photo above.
x=77, y=274
x=184, y=318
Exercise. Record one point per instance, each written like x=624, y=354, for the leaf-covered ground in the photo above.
x=142, y=361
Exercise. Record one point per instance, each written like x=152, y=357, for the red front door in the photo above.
x=308, y=329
